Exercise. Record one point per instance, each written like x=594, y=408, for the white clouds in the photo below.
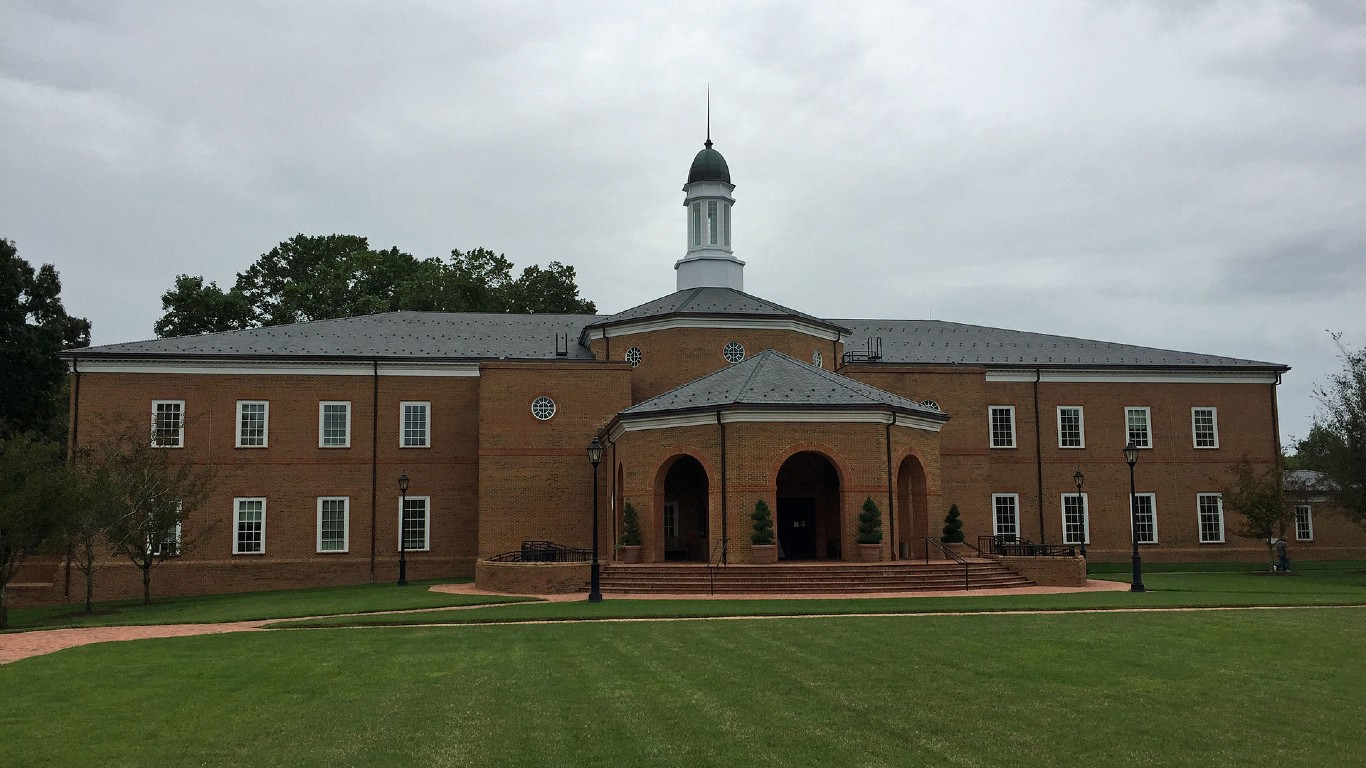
x=1181, y=175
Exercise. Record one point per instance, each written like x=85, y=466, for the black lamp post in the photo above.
x=1131, y=456
x=402, y=534
x=594, y=587
x=1079, y=478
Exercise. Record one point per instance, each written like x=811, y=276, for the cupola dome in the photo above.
x=709, y=165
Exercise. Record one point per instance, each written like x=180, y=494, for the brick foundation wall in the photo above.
x=531, y=578
x=1049, y=571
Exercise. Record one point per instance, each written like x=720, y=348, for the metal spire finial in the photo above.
x=708, y=144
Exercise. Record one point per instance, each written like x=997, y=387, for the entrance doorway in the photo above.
x=684, y=518
x=809, y=511
x=912, y=505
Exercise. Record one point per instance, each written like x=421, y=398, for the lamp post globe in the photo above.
x=402, y=517
x=594, y=583
x=1131, y=458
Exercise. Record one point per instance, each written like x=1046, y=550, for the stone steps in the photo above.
x=806, y=578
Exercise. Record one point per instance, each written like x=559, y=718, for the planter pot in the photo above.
x=870, y=553
x=764, y=554
x=630, y=555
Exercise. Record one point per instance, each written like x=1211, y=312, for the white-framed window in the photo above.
x=249, y=526
x=1071, y=427
x=671, y=519
x=1304, y=522
x=414, y=425
x=543, y=408
x=334, y=424
x=168, y=423
x=697, y=223
x=1005, y=517
x=634, y=356
x=334, y=523
x=734, y=352
x=1076, y=519
x=1210, y=512
x=1002, y=422
x=1137, y=421
x=414, y=518
x=713, y=223
x=1145, y=518
x=253, y=424
x=1205, y=427
x=817, y=359
x=166, y=543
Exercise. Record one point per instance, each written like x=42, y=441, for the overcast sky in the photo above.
x=1183, y=175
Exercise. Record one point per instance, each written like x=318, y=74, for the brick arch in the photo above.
x=914, y=518
x=813, y=518
x=824, y=449
x=694, y=513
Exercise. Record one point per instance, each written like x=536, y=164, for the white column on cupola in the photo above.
x=709, y=262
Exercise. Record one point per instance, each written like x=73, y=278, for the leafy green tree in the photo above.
x=953, y=526
x=1259, y=496
x=763, y=524
x=1336, y=445
x=322, y=277
x=192, y=307
x=151, y=492
x=630, y=526
x=33, y=486
x=89, y=520
x=870, y=523
x=34, y=327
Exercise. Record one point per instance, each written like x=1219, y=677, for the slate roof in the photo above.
x=391, y=335
x=712, y=302
x=772, y=379
x=939, y=342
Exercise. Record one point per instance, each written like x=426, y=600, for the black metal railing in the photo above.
x=713, y=563
x=544, y=552
x=1018, y=546
x=949, y=554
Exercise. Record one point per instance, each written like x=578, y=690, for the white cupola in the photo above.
x=709, y=262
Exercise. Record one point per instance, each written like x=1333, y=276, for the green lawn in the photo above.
x=1255, y=688
x=1342, y=585
x=246, y=606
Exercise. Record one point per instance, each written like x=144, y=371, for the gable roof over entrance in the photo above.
x=712, y=303
x=771, y=379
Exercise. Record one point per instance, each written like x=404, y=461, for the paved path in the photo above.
x=21, y=645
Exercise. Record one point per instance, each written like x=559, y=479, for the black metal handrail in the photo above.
x=1018, y=546
x=949, y=554
x=713, y=563
x=544, y=552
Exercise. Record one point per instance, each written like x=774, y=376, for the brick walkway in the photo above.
x=22, y=645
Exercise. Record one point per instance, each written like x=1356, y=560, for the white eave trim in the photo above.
x=267, y=368
x=746, y=323
x=1164, y=376
x=777, y=415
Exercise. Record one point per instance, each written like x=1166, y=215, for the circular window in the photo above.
x=932, y=405
x=734, y=351
x=633, y=356
x=543, y=408
x=817, y=359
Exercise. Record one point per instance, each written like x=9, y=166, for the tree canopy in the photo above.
x=1336, y=445
x=34, y=327
x=319, y=277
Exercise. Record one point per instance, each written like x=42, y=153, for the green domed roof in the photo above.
x=709, y=166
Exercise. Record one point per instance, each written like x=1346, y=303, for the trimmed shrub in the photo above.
x=953, y=527
x=630, y=527
x=763, y=524
x=870, y=523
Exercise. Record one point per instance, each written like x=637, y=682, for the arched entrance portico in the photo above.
x=912, y=504
x=809, y=518
x=681, y=509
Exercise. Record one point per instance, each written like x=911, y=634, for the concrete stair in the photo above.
x=806, y=578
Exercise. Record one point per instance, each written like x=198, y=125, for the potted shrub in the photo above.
x=765, y=551
x=630, y=535
x=953, y=527
x=870, y=532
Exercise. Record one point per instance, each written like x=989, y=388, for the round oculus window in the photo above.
x=817, y=359
x=932, y=405
x=633, y=356
x=543, y=408
x=734, y=351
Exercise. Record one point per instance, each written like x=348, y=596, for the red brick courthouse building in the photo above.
x=707, y=401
